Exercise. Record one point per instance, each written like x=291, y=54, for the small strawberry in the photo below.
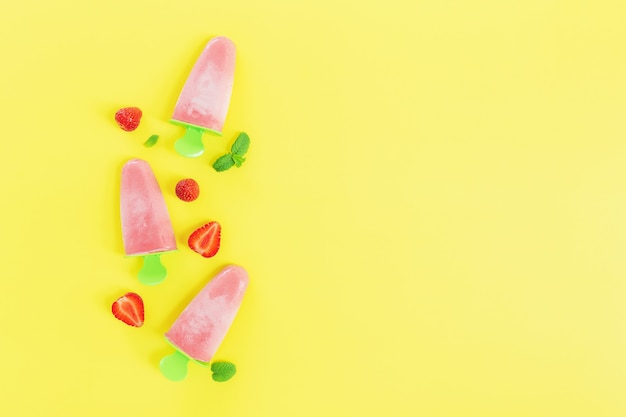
x=129, y=309
x=206, y=239
x=128, y=118
x=187, y=189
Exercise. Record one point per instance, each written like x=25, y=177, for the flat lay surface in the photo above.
x=431, y=208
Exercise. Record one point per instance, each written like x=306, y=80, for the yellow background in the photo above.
x=432, y=211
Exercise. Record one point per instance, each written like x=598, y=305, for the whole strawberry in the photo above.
x=187, y=189
x=128, y=118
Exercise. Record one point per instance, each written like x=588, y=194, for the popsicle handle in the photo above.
x=190, y=145
x=174, y=366
x=152, y=272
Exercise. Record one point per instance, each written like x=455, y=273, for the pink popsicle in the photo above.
x=146, y=227
x=204, y=100
x=201, y=327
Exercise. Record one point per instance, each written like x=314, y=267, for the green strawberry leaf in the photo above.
x=241, y=145
x=223, y=371
x=223, y=163
x=238, y=160
x=152, y=140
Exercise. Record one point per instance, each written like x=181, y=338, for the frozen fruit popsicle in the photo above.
x=199, y=330
x=146, y=226
x=203, y=102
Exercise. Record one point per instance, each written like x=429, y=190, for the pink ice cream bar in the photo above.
x=146, y=227
x=199, y=330
x=204, y=100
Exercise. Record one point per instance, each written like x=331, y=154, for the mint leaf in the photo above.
x=238, y=159
x=223, y=163
x=235, y=158
x=241, y=145
x=152, y=140
x=223, y=371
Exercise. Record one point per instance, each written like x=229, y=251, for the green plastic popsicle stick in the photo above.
x=152, y=272
x=174, y=366
x=190, y=145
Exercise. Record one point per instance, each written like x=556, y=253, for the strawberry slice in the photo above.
x=129, y=309
x=206, y=239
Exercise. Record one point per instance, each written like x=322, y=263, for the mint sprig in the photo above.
x=236, y=155
x=223, y=371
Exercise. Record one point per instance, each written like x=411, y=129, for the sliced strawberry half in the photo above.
x=206, y=239
x=129, y=309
